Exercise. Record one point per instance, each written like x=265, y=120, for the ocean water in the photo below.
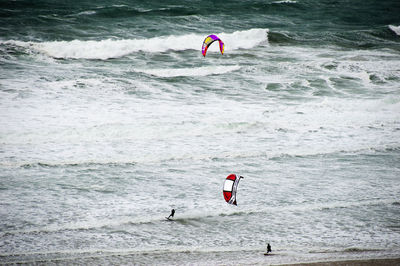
x=110, y=117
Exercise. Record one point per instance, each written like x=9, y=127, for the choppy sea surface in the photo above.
x=110, y=117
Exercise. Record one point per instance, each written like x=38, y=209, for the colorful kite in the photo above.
x=230, y=187
x=208, y=41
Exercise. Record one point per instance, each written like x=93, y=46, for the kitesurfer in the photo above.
x=269, y=248
x=172, y=214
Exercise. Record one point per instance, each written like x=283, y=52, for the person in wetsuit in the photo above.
x=269, y=248
x=172, y=214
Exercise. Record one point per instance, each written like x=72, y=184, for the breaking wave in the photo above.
x=106, y=49
x=395, y=29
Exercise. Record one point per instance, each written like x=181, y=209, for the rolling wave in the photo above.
x=107, y=49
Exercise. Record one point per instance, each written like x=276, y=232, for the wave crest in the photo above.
x=106, y=49
x=395, y=29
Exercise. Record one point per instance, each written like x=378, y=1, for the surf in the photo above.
x=110, y=48
x=189, y=72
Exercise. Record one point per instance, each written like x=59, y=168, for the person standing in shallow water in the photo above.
x=172, y=214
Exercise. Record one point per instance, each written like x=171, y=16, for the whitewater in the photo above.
x=106, y=49
x=110, y=116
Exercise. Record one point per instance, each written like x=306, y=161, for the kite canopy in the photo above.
x=230, y=187
x=208, y=41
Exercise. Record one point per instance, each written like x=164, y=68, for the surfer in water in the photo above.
x=268, y=250
x=172, y=214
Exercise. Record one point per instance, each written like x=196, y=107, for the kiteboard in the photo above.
x=169, y=219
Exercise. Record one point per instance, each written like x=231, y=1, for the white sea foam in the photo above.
x=285, y=2
x=98, y=151
x=395, y=29
x=189, y=72
x=89, y=12
x=105, y=49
